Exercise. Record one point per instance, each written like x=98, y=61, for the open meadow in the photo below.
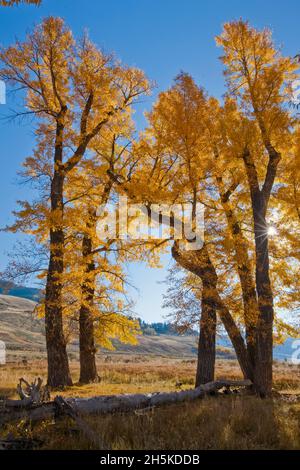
x=235, y=421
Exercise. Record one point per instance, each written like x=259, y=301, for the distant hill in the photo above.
x=23, y=333
x=9, y=288
x=19, y=328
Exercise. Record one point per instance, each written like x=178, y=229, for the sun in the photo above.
x=272, y=231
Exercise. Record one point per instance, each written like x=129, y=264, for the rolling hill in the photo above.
x=23, y=335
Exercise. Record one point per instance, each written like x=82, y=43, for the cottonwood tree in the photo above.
x=172, y=170
x=95, y=267
x=257, y=75
x=194, y=150
x=73, y=90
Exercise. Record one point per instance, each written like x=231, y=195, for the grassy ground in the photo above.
x=224, y=422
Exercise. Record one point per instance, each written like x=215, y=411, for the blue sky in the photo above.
x=162, y=37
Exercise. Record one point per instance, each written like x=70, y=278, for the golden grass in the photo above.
x=228, y=422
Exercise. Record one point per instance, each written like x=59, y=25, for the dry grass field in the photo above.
x=222, y=422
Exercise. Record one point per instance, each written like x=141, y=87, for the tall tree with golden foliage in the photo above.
x=73, y=90
x=226, y=157
x=258, y=77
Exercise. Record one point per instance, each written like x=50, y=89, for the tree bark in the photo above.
x=207, y=338
x=264, y=332
x=236, y=338
x=264, y=337
x=244, y=269
x=88, y=369
x=58, y=364
x=199, y=263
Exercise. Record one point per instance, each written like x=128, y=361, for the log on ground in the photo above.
x=116, y=403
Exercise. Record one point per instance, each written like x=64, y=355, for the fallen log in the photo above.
x=116, y=403
x=67, y=409
x=123, y=403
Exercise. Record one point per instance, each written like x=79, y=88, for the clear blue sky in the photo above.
x=162, y=37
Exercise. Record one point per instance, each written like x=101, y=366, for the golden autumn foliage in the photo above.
x=238, y=157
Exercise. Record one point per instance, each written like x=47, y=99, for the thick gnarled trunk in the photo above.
x=199, y=263
x=207, y=338
x=264, y=331
x=264, y=337
x=244, y=268
x=58, y=365
x=88, y=369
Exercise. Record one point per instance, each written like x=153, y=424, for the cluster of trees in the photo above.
x=238, y=158
x=165, y=328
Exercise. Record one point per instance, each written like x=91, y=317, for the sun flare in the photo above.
x=272, y=231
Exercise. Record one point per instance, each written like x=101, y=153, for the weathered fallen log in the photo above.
x=118, y=403
x=121, y=403
x=67, y=409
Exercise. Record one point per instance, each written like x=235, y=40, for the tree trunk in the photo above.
x=244, y=269
x=264, y=337
x=199, y=263
x=264, y=330
x=207, y=338
x=58, y=364
x=88, y=369
x=235, y=337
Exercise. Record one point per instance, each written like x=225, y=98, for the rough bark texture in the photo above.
x=264, y=331
x=199, y=263
x=244, y=268
x=88, y=369
x=207, y=338
x=58, y=366
x=264, y=338
x=235, y=338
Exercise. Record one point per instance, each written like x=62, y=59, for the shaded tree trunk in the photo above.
x=250, y=303
x=236, y=338
x=207, y=338
x=264, y=337
x=88, y=369
x=58, y=364
x=199, y=263
x=264, y=332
